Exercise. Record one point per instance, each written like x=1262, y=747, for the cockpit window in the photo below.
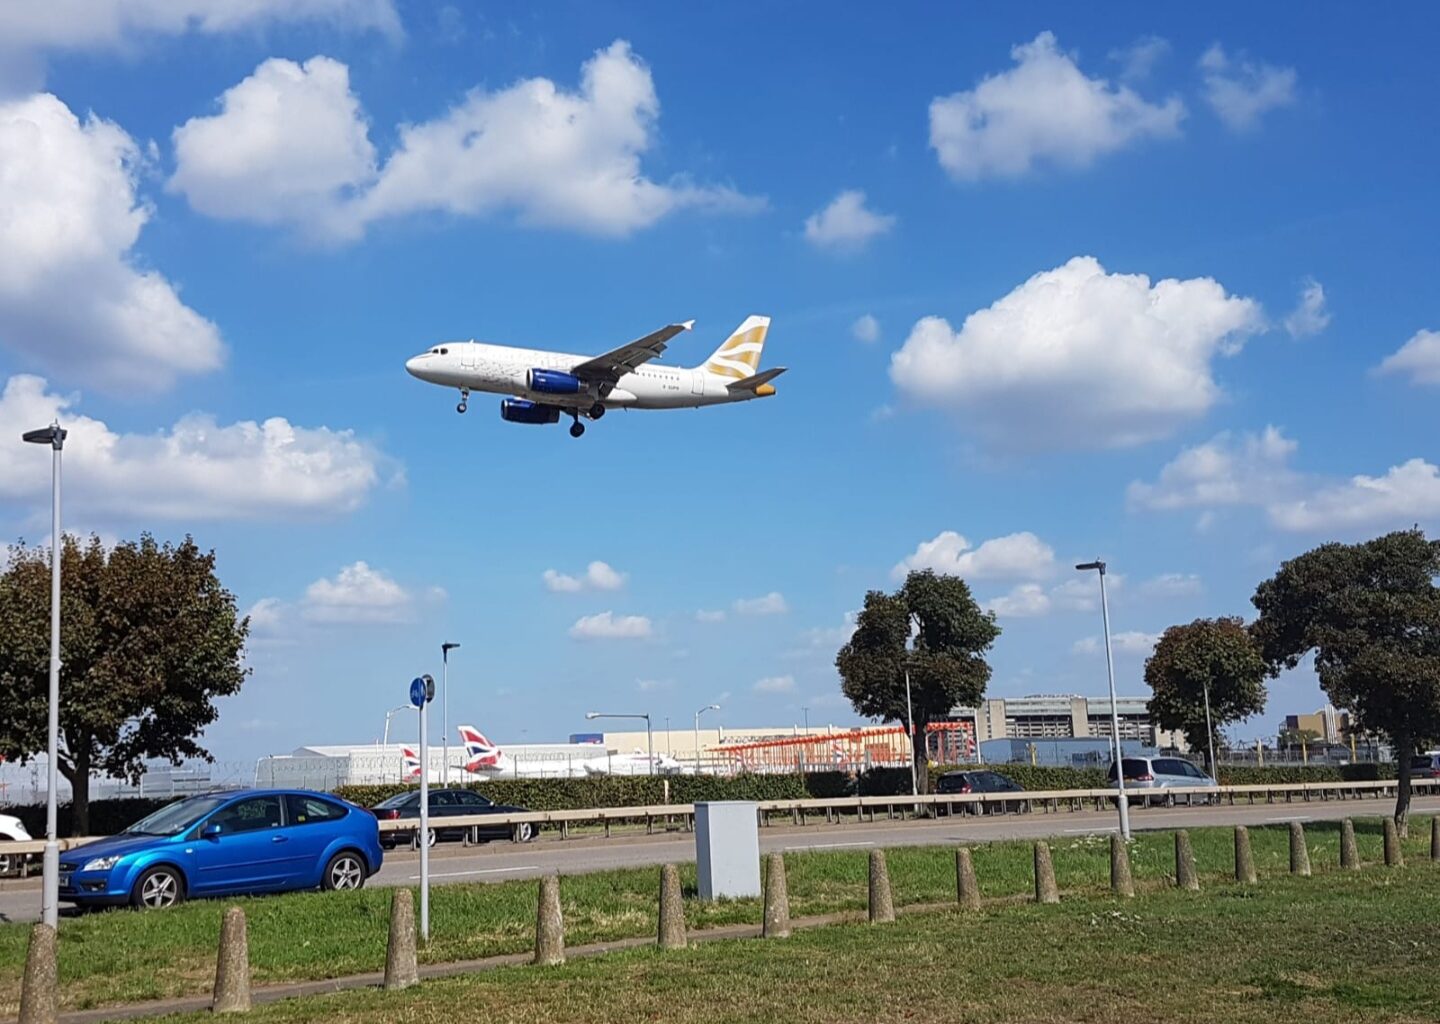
x=444, y=351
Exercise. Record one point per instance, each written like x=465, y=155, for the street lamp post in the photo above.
x=385, y=739
x=649, y=733
x=445, y=650
x=707, y=707
x=909, y=712
x=1210, y=732
x=54, y=436
x=1121, y=800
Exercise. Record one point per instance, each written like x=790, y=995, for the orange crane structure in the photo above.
x=885, y=746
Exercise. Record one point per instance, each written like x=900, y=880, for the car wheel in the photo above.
x=345, y=871
x=5, y=864
x=415, y=840
x=523, y=833
x=157, y=889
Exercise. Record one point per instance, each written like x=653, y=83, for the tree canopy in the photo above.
x=149, y=639
x=1370, y=613
x=947, y=664
x=1215, y=653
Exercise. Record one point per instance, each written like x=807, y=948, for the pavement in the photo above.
x=501, y=861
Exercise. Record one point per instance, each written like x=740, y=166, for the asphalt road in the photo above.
x=451, y=862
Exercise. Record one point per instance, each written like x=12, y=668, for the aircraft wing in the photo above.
x=615, y=364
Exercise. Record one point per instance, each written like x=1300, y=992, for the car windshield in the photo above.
x=172, y=819
x=398, y=800
x=1422, y=761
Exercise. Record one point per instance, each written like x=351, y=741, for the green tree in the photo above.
x=1370, y=613
x=1215, y=653
x=1296, y=739
x=149, y=638
x=946, y=663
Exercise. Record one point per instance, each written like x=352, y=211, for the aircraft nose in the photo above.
x=412, y=365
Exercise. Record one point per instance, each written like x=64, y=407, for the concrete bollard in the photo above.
x=1122, y=882
x=1046, y=891
x=1393, y=857
x=39, y=987
x=882, y=905
x=1435, y=837
x=1244, y=859
x=549, y=924
x=777, y=900
x=967, y=889
x=1186, y=877
x=400, y=968
x=1349, y=852
x=232, y=968
x=672, y=909
x=1299, y=852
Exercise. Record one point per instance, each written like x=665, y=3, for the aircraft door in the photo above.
x=469, y=356
x=697, y=382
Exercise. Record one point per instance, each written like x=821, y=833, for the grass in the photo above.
x=121, y=956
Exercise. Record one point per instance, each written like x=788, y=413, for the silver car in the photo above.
x=1149, y=773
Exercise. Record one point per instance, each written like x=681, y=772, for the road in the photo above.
x=20, y=899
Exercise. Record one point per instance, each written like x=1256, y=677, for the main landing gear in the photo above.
x=464, y=400
x=597, y=410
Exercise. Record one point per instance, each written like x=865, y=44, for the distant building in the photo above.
x=1066, y=716
x=1328, y=724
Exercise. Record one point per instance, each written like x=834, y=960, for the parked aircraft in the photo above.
x=544, y=384
x=486, y=760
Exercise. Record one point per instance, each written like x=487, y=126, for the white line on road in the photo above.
x=483, y=871
x=1091, y=831
x=1294, y=818
x=824, y=846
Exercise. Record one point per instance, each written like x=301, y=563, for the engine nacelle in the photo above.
x=520, y=410
x=553, y=382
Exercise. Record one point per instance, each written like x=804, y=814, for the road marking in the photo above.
x=1091, y=831
x=825, y=846
x=1295, y=818
x=483, y=871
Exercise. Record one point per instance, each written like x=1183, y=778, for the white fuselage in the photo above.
x=476, y=366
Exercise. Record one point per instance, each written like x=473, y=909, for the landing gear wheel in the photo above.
x=577, y=428
x=464, y=402
x=597, y=410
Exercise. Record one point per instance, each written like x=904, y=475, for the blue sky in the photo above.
x=1153, y=285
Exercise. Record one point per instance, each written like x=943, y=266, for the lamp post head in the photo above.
x=53, y=435
x=592, y=714
x=1097, y=564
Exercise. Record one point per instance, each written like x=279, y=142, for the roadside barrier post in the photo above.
x=672, y=909
x=232, y=967
x=400, y=967
x=1186, y=877
x=882, y=904
x=38, y=987
x=1046, y=891
x=967, y=890
x=1244, y=859
x=1122, y=883
x=549, y=924
x=1299, y=852
x=777, y=900
x=1435, y=837
x=1349, y=852
x=1394, y=858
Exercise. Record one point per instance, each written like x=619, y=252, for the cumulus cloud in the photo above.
x=846, y=225
x=1024, y=601
x=266, y=615
x=1309, y=315
x=359, y=594
x=1406, y=494
x=706, y=615
x=1110, y=360
x=197, y=469
x=1226, y=470
x=775, y=684
x=1139, y=59
x=772, y=603
x=1042, y=111
x=1241, y=90
x=1132, y=642
x=866, y=329
x=597, y=576
x=609, y=626
x=1172, y=584
x=550, y=157
x=73, y=299
x=1014, y=556
x=1418, y=359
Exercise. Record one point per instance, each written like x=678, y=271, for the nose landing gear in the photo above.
x=464, y=400
x=577, y=428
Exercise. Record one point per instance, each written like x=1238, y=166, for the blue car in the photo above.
x=224, y=844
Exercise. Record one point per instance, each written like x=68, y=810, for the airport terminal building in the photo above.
x=1065, y=716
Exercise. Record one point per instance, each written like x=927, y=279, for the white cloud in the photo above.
x=1309, y=315
x=359, y=594
x=1082, y=593
x=72, y=298
x=289, y=144
x=552, y=157
x=775, y=684
x=1024, y=601
x=1111, y=359
x=597, y=576
x=1239, y=91
x=1418, y=358
x=1042, y=111
x=652, y=685
x=266, y=615
x=1140, y=58
x=832, y=638
x=608, y=626
x=1132, y=642
x=1172, y=584
x=1226, y=470
x=195, y=470
x=704, y=615
x=772, y=603
x=866, y=329
x=1406, y=494
x=1014, y=556
x=846, y=224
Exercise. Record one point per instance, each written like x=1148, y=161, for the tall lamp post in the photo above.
x=649, y=733
x=909, y=713
x=54, y=436
x=1210, y=732
x=707, y=707
x=445, y=650
x=1121, y=800
x=385, y=740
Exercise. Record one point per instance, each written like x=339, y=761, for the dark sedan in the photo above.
x=982, y=782
x=448, y=803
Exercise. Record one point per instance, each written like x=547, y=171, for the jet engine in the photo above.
x=520, y=410
x=553, y=382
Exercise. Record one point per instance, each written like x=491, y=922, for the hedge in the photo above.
x=106, y=816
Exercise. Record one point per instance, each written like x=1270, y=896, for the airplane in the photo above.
x=485, y=759
x=410, y=764
x=544, y=384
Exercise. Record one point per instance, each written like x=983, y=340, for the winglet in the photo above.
x=688, y=325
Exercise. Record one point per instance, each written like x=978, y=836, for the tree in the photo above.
x=1214, y=653
x=947, y=665
x=1296, y=739
x=149, y=638
x=1371, y=614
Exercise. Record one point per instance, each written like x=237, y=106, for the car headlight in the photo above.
x=101, y=864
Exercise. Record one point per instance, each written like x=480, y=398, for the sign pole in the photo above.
x=422, y=691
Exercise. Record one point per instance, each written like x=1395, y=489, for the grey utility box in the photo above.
x=727, y=849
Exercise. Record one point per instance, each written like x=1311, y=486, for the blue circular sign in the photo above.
x=417, y=692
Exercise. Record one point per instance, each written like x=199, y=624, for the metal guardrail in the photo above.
x=840, y=807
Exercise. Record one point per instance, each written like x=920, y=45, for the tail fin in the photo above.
x=410, y=762
x=480, y=753
x=739, y=356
